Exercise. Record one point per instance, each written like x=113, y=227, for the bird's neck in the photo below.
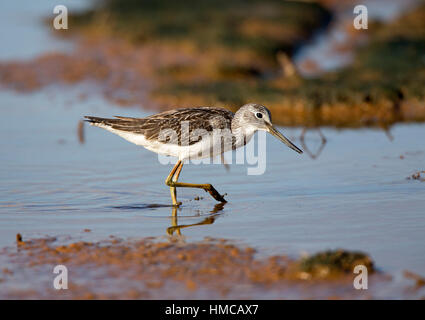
x=242, y=135
x=242, y=132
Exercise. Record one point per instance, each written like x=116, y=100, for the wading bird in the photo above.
x=191, y=133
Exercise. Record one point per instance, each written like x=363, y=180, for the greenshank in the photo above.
x=191, y=133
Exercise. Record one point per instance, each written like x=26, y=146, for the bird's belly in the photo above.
x=209, y=146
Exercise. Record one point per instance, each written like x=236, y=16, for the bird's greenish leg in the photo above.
x=172, y=183
x=206, y=186
x=173, y=190
x=173, y=177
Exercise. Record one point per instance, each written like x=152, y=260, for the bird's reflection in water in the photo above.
x=388, y=134
x=176, y=228
x=314, y=155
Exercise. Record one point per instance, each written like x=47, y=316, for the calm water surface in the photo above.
x=354, y=195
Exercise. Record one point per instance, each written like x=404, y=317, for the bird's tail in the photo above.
x=127, y=128
x=117, y=125
x=104, y=122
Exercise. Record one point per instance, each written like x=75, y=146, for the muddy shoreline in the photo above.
x=121, y=73
x=170, y=268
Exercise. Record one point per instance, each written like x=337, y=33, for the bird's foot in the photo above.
x=214, y=193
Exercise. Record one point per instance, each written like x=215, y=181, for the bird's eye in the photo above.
x=259, y=115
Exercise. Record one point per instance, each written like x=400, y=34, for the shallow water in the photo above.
x=355, y=195
x=22, y=31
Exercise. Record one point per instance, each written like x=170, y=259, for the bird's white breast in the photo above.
x=209, y=145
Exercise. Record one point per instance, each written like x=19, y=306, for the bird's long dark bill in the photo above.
x=282, y=138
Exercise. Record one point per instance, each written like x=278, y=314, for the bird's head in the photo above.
x=253, y=117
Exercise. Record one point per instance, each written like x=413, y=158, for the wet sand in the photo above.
x=173, y=269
